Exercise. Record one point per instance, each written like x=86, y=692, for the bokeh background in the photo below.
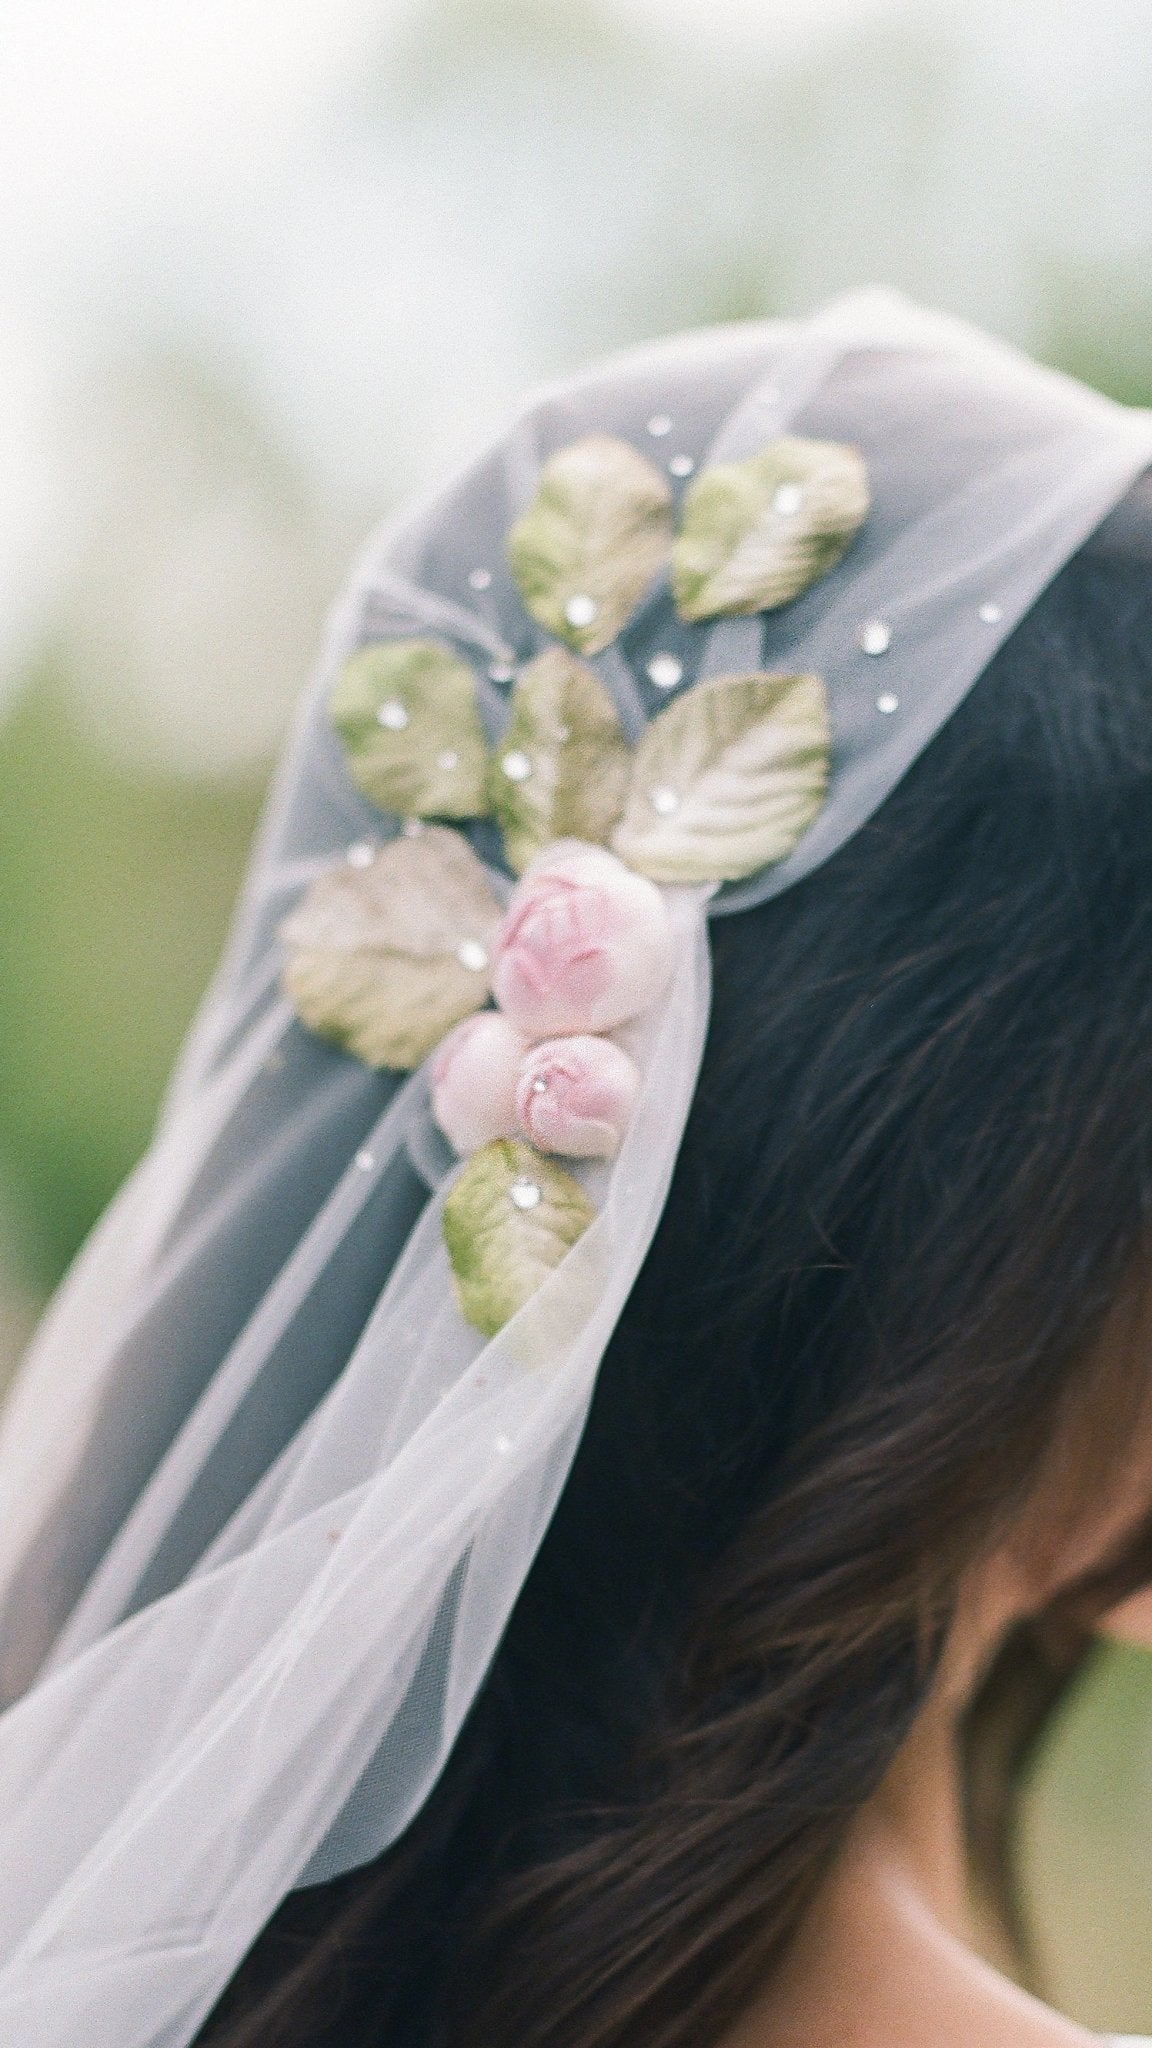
x=268, y=265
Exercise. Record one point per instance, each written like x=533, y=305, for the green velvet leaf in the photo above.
x=508, y=1221
x=596, y=534
x=754, y=534
x=384, y=958
x=562, y=771
x=406, y=712
x=727, y=779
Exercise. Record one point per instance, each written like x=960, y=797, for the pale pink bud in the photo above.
x=474, y=1078
x=576, y=1096
x=586, y=944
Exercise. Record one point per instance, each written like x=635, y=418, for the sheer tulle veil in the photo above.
x=268, y=1499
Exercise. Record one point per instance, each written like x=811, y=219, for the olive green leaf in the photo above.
x=754, y=534
x=406, y=712
x=597, y=532
x=508, y=1221
x=727, y=779
x=383, y=959
x=562, y=771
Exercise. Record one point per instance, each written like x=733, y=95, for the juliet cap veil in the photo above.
x=278, y=1463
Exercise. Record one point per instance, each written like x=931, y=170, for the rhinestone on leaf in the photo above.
x=480, y=579
x=663, y=800
x=364, y=1160
x=524, y=1194
x=500, y=671
x=787, y=500
x=471, y=954
x=392, y=715
x=447, y=761
x=517, y=767
x=991, y=614
x=659, y=425
x=681, y=465
x=361, y=855
x=887, y=703
x=665, y=671
x=581, y=610
x=875, y=636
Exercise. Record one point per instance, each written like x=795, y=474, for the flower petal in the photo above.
x=383, y=960
x=596, y=534
x=570, y=756
x=727, y=779
x=406, y=712
x=508, y=1221
x=754, y=534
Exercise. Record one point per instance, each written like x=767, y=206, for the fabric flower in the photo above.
x=576, y=1096
x=586, y=945
x=474, y=1077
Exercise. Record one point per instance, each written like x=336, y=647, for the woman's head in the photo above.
x=885, y=1306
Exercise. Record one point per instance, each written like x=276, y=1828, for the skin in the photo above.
x=888, y=1956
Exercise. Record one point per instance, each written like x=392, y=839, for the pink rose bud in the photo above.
x=585, y=946
x=474, y=1078
x=576, y=1096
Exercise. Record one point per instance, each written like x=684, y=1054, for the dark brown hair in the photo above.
x=918, y=1166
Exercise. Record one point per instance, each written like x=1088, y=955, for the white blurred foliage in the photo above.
x=380, y=219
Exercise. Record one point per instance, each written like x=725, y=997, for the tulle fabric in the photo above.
x=266, y=1502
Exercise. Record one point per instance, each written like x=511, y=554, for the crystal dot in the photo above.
x=503, y=1445
x=663, y=800
x=393, y=715
x=991, y=614
x=581, y=610
x=681, y=465
x=480, y=579
x=787, y=500
x=361, y=855
x=473, y=955
x=365, y=1160
x=887, y=703
x=539, y=1085
x=501, y=671
x=665, y=671
x=517, y=767
x=524, y=1194
x=447, y=760
x=659, y=425
x=875, y=636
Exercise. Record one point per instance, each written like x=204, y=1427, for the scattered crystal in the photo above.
x=524, y=1194
x=663, y=800
x=539, y=1085
x=665, y=671
x=887, y=703
x=581, y=610
x=875, y=636
x=480, y=579
x=517, y=767
x=503, y=1445
x=787, y=500
x=681, y=465
x=471, y=954
x=361, y=855
x=991, y=614
x=659, y=425
x=501, y=671
x=393, y=715
x=365, y=1160
x=447, y=761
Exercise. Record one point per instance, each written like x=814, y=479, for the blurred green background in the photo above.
x=267, y=266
